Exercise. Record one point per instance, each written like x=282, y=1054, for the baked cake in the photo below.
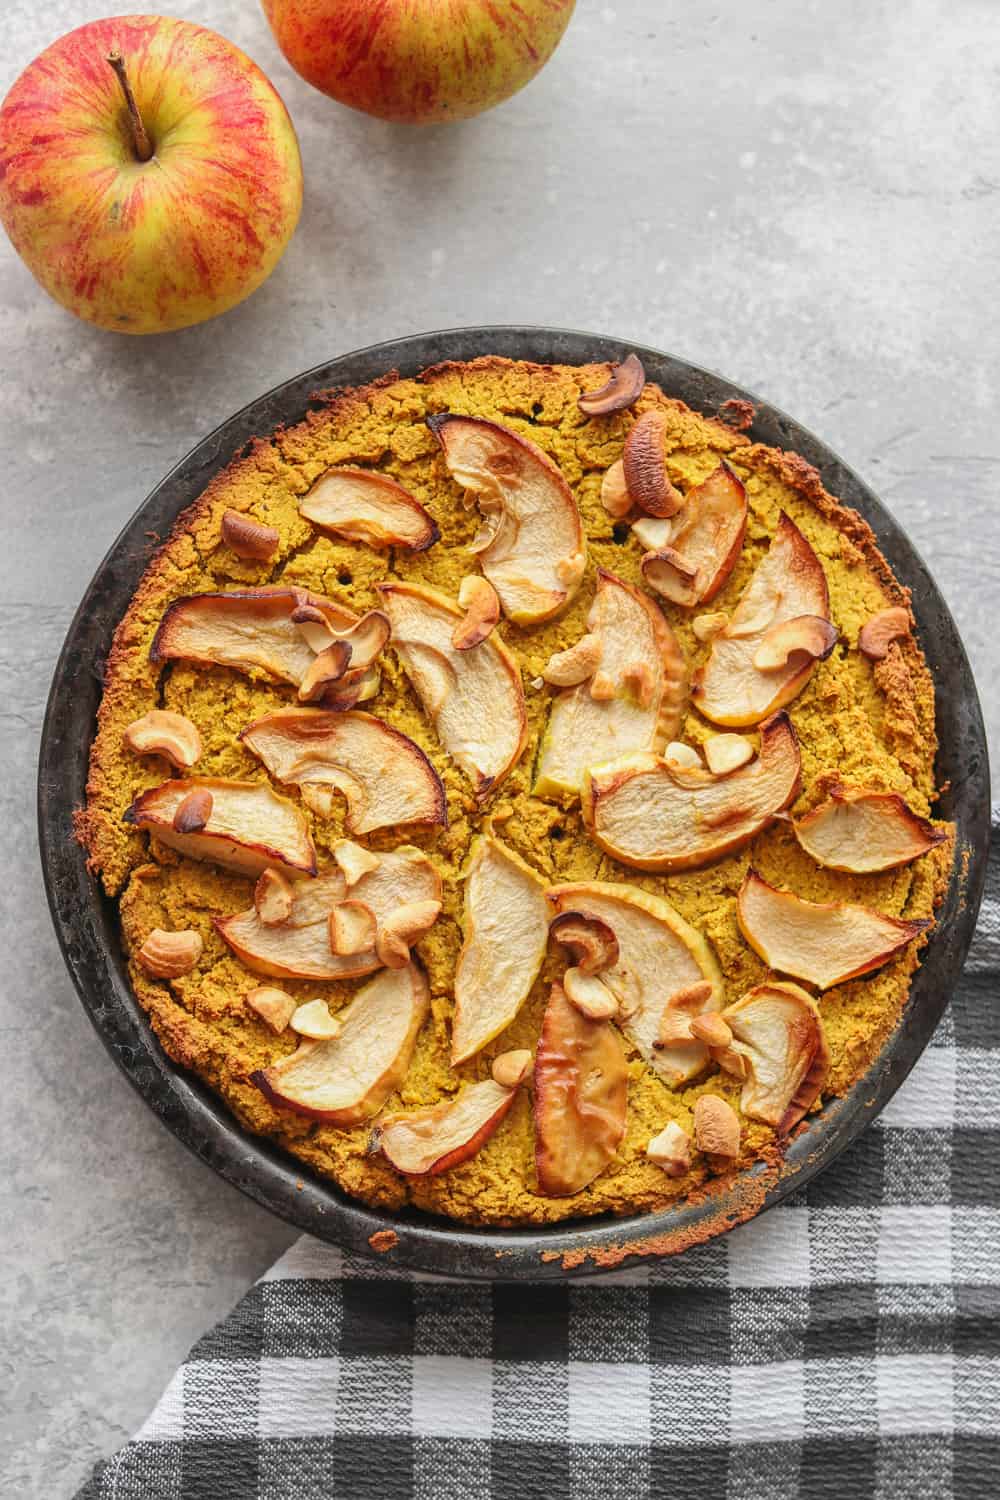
x=516, y=788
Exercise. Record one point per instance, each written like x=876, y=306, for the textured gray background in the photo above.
x=801, y=195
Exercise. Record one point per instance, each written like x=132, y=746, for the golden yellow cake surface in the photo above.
x=868, y=724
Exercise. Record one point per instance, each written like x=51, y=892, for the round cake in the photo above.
x=517, y=792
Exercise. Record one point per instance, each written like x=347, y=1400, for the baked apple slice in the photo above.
x=581, y=1095
x=657, y=814
x=250, y=630
x=506, y=929
x=301, y=947
x=473, y=698
x=778, y=1031
x=705, y=541
x=385, y=778
x=535, y=551
x=366, y=506
x=660, y=956
x=426, y=1142
x=241, y=825
x=824, y=943
x=640, y=689
x=789, y=584
x=862, y=832
x=348, y=1079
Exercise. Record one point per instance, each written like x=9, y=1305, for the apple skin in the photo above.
x=418, y=62
x=146, y=247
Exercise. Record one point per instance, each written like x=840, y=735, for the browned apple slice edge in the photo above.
x=799, y=937
x=732, y=808
x=378, y=760
x=426, y=1142
x=581, y=1095
x=851, y=820
x=536, y=552
x=217, y=609
x=404, y=521
x=388, y=1011
x=777, y=1030
x=217, y=840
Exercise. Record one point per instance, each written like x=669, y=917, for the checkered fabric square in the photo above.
x=844, y=1346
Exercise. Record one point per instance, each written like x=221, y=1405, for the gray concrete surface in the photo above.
x=802, y=195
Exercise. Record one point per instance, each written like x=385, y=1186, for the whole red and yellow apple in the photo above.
x=420, y=62
x=149, y=173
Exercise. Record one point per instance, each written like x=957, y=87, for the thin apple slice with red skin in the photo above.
x=366, y=506
x=706, y=544
x=427, y=1142
x=647, y=677
x=300, y=947
x=581, y=1097
x=659, y=955
x=778, y=1030
x=789, y=583
x=506, y=929
x=863, y=832
x=655, y=814
x=474, y=699
x=248, y=828
x=249, y=630
x=348, y=1079
x=537, y=552
x=385, y=777
x=824, y=943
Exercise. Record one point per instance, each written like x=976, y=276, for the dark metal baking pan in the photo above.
x=86, y=921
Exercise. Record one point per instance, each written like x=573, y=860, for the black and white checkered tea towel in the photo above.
x=846, y=1345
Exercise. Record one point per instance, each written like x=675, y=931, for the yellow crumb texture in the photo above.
x=868, y=725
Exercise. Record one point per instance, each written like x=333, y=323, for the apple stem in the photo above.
x=140, y=138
